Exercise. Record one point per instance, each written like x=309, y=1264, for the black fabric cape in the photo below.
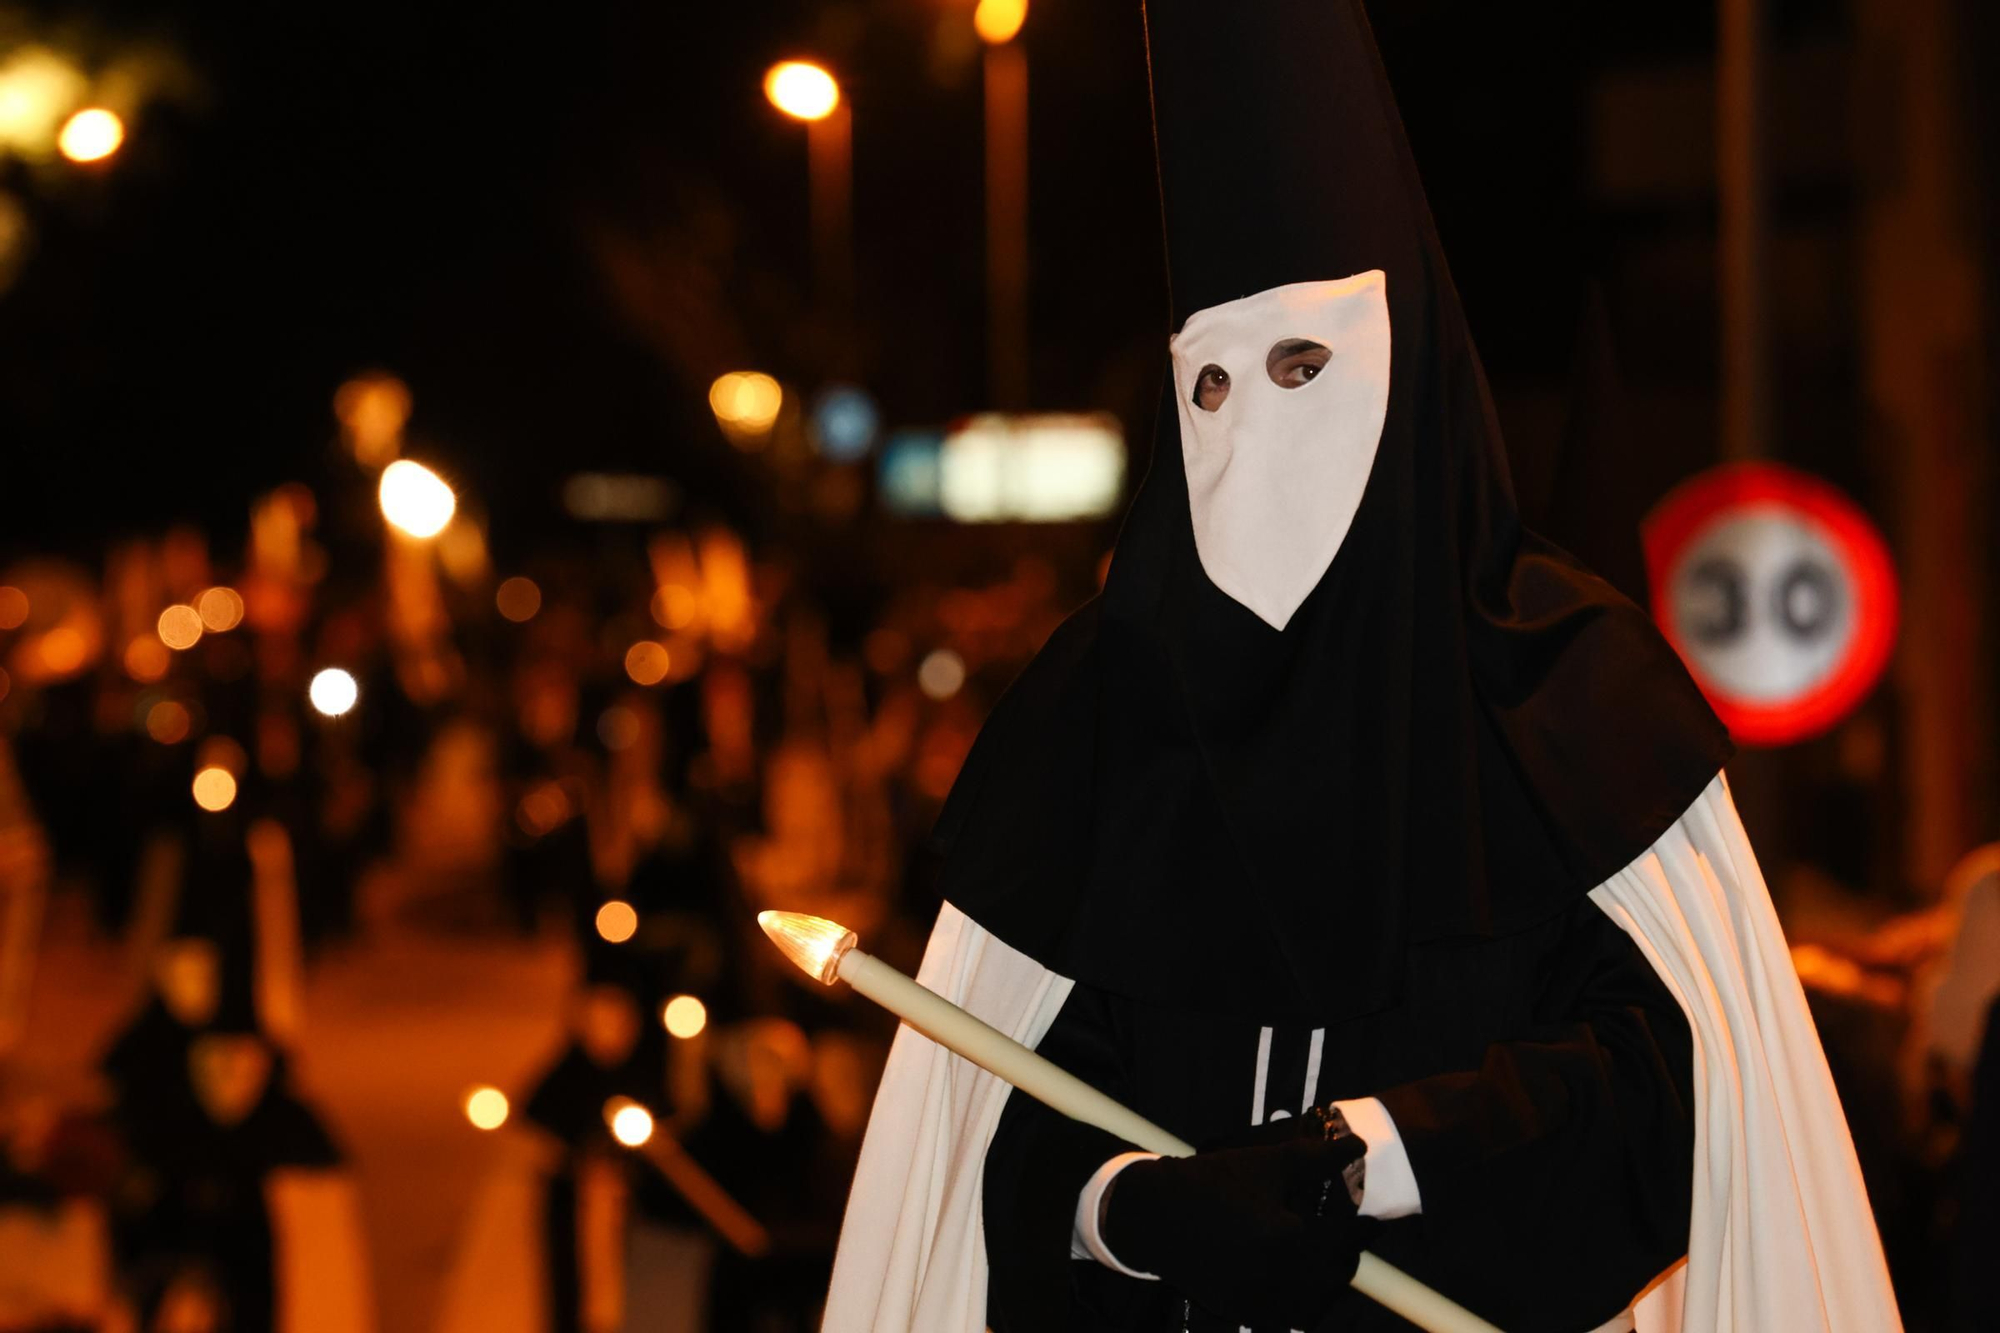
x=1459, y=733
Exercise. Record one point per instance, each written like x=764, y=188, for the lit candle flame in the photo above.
x=814, y=943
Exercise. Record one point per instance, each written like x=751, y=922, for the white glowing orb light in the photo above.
x=631, y=1124
x=684, y=1016
x=333, y=691
x=91, y=135
x=415, y=499
x=942, y=674
x=802, y=90
x=486, y=1107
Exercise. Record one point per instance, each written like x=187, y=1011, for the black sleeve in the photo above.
x=1557, y=1177
x=1037, y=1164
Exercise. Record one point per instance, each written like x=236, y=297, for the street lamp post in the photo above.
x=807, y=92
x=999, y=23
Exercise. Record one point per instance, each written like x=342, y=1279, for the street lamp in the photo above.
x=998, y=23
x=807, y=92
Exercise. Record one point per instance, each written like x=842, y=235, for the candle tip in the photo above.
x=815, y=944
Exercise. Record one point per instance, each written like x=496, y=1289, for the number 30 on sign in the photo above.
x=1777, y=592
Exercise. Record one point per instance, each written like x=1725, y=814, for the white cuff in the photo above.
x=1390, y=1189
x=1084, y=1242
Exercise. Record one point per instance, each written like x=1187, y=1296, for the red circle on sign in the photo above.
x=1738, y=490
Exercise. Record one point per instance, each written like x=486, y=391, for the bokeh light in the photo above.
x=214, y=788
x=617, y=922
x=998, y=21
x=221, y=609
x=168, y=722
x=942, y=674
x=746, y=405
x=486, y=1107
x=518, y=599
x=684, y=1016
x=631, y=1124
x=37, y=87
x=91, y=135
x=373, y=409
x=617, y=727
x=333, y=691
x=415, y=499
x=674, y=606
x=180, y=627
x=63, y=650
x=802, y=90
x=13, y=608
x=646, y=662
x=147, y=659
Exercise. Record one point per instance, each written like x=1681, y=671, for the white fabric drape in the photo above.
x=1782, y=1236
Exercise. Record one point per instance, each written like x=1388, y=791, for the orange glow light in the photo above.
x=684, y=1017
x=997, y=21
x=63, y=650
x=221, y=609
x=180, y=627
x=13, y=608
x=617, y=922
x=486, y=1107
x=746, y=405
x=214, y=789
x=167, y=722
x=518, y=599
x=91, y=135
x=147, y=659
x=6, y=684
x=373, y=408
x=674, y=606
x=646, y=663
x=802, y=90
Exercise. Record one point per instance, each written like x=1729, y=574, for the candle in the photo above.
x=828, y=951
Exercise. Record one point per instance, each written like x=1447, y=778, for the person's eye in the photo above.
x=1294, y=362
x=1211, y=387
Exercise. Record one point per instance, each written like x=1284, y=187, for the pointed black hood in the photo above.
x=1457, y=732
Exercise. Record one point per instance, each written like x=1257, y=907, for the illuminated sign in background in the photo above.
x=1779, y=595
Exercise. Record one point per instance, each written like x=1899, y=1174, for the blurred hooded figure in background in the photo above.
x=1354, y=834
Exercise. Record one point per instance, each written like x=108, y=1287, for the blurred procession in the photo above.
x=488, y=508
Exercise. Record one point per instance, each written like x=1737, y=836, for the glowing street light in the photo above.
x=802, y=90
x=91, y=135
x=684, y=1016
x=631, y=1124
x=807, y=92
x=332, y=692
x=998, y=21
x=486, y=1107
x=746, y=404
x=415, y=499
x=617, y=922
x=214, y=788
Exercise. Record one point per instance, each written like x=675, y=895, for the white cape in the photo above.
x=1782, y=1236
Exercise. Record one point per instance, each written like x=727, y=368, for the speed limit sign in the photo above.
x=1777, y=592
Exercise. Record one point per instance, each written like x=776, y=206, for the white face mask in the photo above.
x=1275, y=473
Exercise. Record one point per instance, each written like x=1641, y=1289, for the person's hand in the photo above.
x=1257, y=1235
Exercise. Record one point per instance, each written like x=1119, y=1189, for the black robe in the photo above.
x=1542, y=1084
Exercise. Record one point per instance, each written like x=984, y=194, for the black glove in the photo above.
x=1261, y=1235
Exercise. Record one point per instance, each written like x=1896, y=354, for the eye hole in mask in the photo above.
x=1294, y=363
x=1211, y=387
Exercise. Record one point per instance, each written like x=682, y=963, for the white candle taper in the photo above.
x=827, y=951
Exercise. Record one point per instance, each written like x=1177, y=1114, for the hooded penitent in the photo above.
x=1334, y=702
